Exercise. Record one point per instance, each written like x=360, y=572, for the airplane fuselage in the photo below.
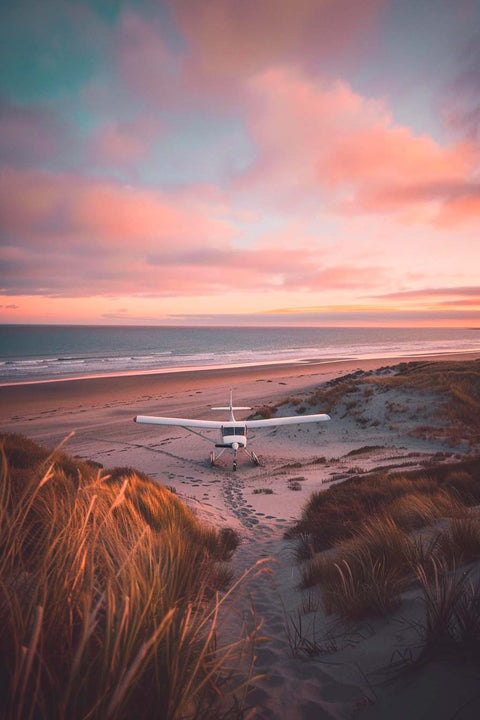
x=234, y=433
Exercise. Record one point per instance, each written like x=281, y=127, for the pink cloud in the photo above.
x=469, y=302
x=220, y=43
x=324, y=142
x=35, y=204
x=148, y=71
x=96, y=273
x=71, y=237
x=229, y=39
x=433, y=292
x=147, y=65
x=342, y=276
x=120, y=144
x=460, y=210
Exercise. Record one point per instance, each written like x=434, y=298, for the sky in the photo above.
x=240, y=161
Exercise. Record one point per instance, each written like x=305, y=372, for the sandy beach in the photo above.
x=261, y=503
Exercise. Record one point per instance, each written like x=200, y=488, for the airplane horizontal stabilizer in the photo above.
x=231, y=408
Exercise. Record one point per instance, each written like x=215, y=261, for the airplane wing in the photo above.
x=179, y=422
x=290, y=420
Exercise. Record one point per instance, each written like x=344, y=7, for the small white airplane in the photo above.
x=233, y=432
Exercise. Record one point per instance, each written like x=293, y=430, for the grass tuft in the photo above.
x=452, y=610
x=460, y=543
x=110, y=596
x=415, y=510
x=366, y=574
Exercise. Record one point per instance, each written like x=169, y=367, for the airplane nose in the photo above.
x=235, y=446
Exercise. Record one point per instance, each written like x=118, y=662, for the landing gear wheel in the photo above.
x=255, y=459
x=212, y=458
x=234, y=465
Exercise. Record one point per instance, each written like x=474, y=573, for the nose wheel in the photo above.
x=213, y=457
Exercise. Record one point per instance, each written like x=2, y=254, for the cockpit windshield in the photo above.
x=238, y=430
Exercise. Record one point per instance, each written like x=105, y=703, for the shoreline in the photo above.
x=173, y=369
x=291, y=362
x=130, y=387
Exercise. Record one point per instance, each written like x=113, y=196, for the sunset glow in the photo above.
x=218, y=162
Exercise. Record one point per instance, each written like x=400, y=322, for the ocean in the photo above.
x=34, y=353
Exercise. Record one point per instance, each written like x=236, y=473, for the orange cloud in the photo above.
x=461, y=210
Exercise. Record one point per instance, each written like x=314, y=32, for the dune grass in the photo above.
x=460, y=542
x=111, y=592
x=457, y=382
x=370, y=524
x=413, y=498
x=366, y=574
x=452, y=611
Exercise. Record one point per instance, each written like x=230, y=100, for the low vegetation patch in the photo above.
x=363, y=450
x=294, y=485
x=265, y=412
x=368, y=522
x=453, y=387
x=457, y=386
x=337, y=513
x=110, y=595
x=367, y=574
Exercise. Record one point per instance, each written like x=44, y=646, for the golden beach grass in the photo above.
x=110, y=596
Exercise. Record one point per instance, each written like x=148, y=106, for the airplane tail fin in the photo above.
x=231, y=407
